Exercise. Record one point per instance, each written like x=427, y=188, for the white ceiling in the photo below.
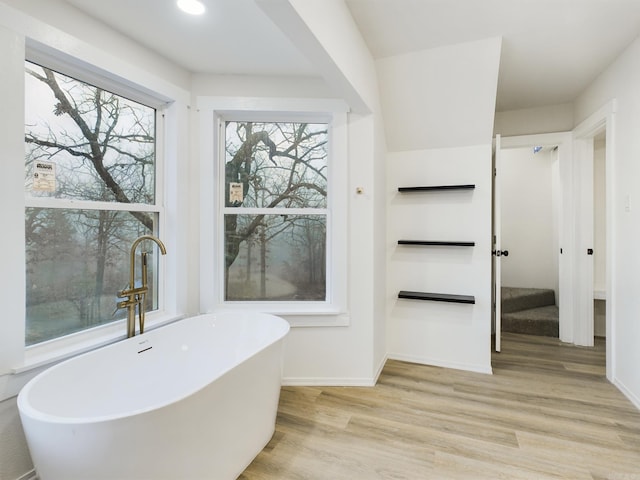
x=552, y=49
x=233, y=36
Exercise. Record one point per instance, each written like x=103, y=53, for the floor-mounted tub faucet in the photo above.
x=137, y=295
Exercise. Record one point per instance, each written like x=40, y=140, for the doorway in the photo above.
x=592, y=138
x=584, y=154
x=543, y=213
x=529, y=208
x=530, y=205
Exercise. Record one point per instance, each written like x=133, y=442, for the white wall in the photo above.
x=14, y=458
x=529, y=121
x=12, y=280
x=529, y=218
x=442, y=97
x=14, y=455
x=352, y=67
x=620, y=81
x=435, y=333
x=203, y=85
x=439, y=110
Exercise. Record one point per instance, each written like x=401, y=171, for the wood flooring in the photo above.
x=547, y=412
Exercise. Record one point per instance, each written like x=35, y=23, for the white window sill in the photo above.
x=41, y=356
x=54, y=351
x=307, y=315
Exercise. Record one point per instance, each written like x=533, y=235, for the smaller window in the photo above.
x=275, y=211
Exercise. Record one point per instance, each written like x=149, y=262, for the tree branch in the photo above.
x=96, y=149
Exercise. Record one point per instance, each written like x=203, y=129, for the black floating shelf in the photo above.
x=437, y=297
x=436, y=188
x=436, y=243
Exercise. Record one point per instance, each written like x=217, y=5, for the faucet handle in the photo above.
x=124, y=292
x=120, y=305
x=133, y=292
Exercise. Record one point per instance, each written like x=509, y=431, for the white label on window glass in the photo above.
x=235, y=193
x=44, y=177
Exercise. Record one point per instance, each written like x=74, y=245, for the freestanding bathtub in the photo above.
x=194, y=400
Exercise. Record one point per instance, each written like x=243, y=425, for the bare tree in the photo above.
x=99, y=133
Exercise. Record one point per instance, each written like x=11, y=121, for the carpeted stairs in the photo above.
x=532, y=311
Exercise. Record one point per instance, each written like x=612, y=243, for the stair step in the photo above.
x=515, y=299
x=535, y=321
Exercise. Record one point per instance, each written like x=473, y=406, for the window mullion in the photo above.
x=274, y=211
x=42, y=202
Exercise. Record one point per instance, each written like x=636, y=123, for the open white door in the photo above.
x=583, y=333
x=496, y=250
x=566, y=241
x=565, y=217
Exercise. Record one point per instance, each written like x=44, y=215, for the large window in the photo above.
x=90, y=189
x=275, y=211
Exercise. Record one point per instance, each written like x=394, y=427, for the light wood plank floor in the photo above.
x=548, y=412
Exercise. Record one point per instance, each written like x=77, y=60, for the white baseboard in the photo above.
x=627, y=393
x=31, y=475
x=327, y=382
x=438, y=363
x=334, y=382
x=380, y=368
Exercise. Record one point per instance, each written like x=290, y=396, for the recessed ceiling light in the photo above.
x=192, y=7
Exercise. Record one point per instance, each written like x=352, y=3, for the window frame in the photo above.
x=214, y=112
x=23, y=361
x=225, y=210
x=40, y=352
x=146, y=80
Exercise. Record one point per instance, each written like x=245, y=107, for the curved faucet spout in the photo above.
x=135, y=296
x=132, y=256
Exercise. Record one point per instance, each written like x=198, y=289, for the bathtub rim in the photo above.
x=25, y=408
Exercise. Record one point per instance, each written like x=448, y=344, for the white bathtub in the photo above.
x=195, y=400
